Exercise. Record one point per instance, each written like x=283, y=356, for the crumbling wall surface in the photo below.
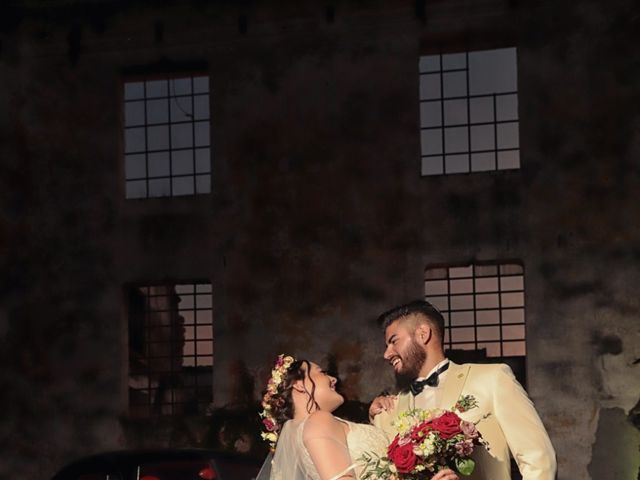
x=582, y=301
x=61, y=337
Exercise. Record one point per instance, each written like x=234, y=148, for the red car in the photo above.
x=188, y=464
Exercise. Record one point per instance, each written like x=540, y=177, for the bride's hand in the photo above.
x=446, y=474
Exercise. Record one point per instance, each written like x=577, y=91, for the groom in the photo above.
x=414, y=339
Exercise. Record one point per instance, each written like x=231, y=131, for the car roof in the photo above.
x=125, y=460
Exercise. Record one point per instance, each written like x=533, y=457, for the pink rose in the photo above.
x=469, y=429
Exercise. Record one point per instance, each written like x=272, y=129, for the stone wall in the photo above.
x=319, y=218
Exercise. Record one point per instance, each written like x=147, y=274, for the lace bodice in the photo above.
x=360, y=439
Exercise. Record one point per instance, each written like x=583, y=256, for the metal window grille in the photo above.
x=483, y=306
x=167, y=137
x=469, y=112
x=170, y=349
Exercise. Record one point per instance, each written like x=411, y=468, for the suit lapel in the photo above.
x=453, y=384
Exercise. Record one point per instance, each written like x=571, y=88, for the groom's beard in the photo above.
x=412, y=362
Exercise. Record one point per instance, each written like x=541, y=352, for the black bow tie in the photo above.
x=432, y=380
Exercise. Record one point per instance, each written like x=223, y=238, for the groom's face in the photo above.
x=403, y=352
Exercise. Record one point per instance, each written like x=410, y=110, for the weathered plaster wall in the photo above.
x=319, y=219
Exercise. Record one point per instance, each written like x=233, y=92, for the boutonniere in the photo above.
x=465, y=403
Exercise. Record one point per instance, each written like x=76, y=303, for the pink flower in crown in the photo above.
x=269, y=424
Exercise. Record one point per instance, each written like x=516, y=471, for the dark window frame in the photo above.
x=144, y=184
x=170, y=348
x=470, y=151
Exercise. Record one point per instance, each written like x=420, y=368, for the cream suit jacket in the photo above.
x=512, y=423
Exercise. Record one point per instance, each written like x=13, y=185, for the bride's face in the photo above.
x=325, y=394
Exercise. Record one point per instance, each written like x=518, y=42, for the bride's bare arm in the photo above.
x=325, y=439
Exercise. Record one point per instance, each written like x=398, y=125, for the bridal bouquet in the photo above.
x=427, y=442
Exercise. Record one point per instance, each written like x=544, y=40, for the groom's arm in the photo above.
x=525, y=434
x=384, y=418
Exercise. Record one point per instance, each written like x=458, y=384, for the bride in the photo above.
x=309, y=442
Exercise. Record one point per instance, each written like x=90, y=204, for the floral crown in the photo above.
x=269, y=422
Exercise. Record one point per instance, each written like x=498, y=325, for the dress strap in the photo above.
x=344, y=472
x=348, y=424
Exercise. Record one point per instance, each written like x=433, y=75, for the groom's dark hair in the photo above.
x=419, y=307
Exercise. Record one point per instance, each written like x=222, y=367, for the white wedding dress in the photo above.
x=293, y=462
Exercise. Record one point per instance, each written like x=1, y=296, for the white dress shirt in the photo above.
x=430, y=397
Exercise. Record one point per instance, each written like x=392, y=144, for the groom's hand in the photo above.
x=446, y=474
x=381, y=404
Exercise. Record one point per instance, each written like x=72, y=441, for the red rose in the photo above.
x=402, y=455
x=268, y=424
x=447, y=425
x=420, y=431
x=393, y=445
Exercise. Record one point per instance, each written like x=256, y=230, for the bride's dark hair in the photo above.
x=281, y=402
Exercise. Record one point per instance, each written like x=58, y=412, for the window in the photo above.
x=469, y=112
x=483, y=307
x=166, y=137
x=170, y=349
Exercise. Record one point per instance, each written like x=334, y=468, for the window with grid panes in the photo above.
x=170, y=348
x=469, y=112
x=167, y=145
x=483, y=306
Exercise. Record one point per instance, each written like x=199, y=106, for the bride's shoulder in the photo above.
x=322, y=423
